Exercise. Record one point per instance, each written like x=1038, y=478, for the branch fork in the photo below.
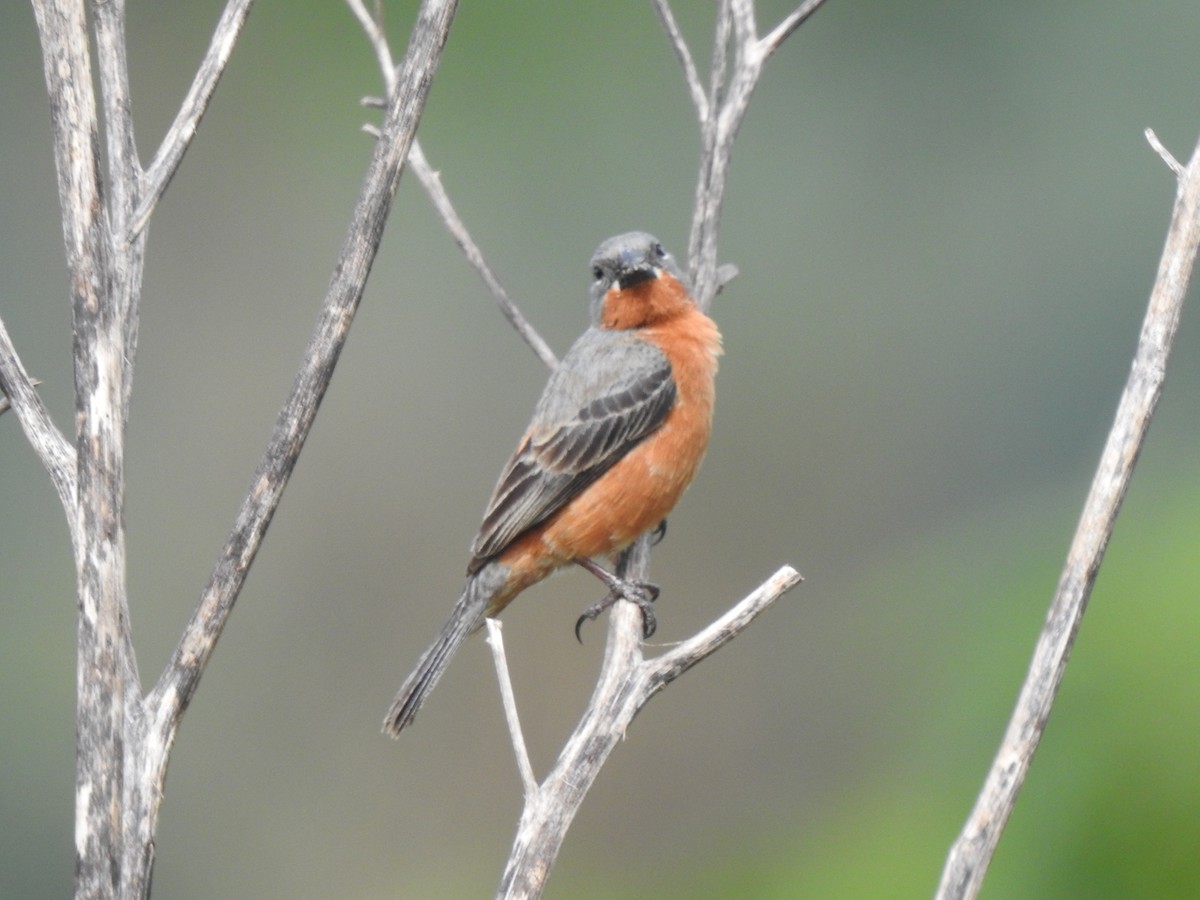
x=124, y=736
x=626, y=683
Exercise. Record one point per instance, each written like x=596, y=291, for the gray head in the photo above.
x=626, y=260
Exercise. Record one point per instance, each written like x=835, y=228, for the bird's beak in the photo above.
x=636, y=276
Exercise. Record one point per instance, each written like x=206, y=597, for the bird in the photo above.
x=618, y=434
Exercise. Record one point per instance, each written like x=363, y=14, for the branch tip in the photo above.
x=495, y=639
x=1164, y=154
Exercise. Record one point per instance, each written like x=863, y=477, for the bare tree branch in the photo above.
x=738, y=58
x=372, y=24
x=124, y=740
x=432, y=184
x=124, y=178
x=626, y=683
x=684, y=55
x=664, y=669
x=972, y=851
x=1164, y=154
x=179, y=136
x=98, y=507
x=495, y=639
x=55, y=451
x=783, y=30
x=341, y=302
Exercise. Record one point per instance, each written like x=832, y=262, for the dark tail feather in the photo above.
x=466, y=617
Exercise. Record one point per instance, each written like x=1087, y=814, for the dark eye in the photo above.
x=659, y=251
x=597, y=272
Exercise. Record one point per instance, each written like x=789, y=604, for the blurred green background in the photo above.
x=947, y=221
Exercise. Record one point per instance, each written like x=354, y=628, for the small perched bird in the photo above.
x=615, y=439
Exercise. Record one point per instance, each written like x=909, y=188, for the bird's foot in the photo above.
x=641, y=594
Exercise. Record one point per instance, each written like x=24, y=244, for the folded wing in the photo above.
x=608, y=393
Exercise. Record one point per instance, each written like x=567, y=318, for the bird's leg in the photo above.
x=641, y=594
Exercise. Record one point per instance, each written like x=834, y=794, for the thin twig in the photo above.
x=432, y=184
x=972, y=852
x=179, y=136
x=441, y=201
x=772, y=42
x=52, y=448
x=664, y=669
x=372, y=24
x=737, y=66
x=684, y=55
x=733, y=84
x=1164, y=154
x=495, y=639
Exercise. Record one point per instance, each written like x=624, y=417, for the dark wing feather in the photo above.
x=609, y=392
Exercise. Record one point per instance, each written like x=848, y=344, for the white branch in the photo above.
x=495, y=639
x=378, y=41
x=441, y=202
x=626, y=683
x=1164, y=154
x=972, y=852
x=783, y=30
x=432, y=183
x=684, y=55
x=56, y=453
x=179, y=136
x=737, y=63
x=664, y=669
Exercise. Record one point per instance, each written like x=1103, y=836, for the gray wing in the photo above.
x=609, y=392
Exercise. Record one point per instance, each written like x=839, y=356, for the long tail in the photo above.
x=466, y=617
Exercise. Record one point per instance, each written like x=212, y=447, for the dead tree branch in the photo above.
x=738, y=58
x=972, y=851
x=627, y=681
x=300, y=409
x=179, y=136
x=432, y=183
x=52, y=448
x=124, y=738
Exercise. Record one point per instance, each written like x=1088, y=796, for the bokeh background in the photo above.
x=947, y=221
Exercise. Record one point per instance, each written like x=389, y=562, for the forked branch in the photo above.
x=123, y=739
x=179, y=136
x=627, y=681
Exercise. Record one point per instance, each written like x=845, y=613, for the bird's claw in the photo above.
x=657, y=535
x=641, y=594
